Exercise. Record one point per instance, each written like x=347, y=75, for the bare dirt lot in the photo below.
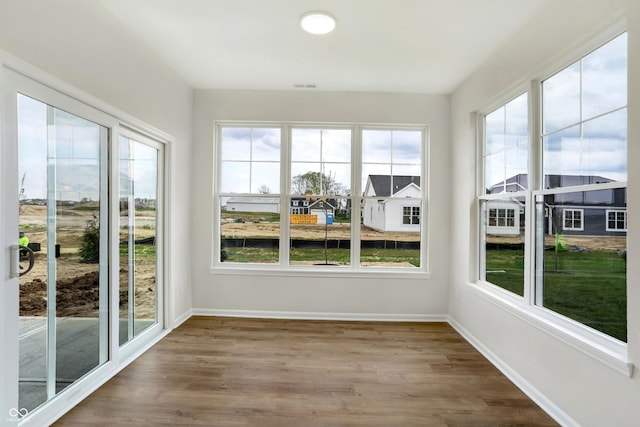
x=310, y=231
x=77, y=282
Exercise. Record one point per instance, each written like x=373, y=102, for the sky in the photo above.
x=250, y=155
x=584, y=121
x=75, y=153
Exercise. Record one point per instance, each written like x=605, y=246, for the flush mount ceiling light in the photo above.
x=318, y=22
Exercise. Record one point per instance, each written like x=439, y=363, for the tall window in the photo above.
x=584, y=144
x=287, y=196
x=249, y=193
x=505, y=181
x=575, y=265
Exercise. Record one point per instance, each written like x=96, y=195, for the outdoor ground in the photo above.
x=76, y=281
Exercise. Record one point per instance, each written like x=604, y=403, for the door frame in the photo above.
x=19, y=76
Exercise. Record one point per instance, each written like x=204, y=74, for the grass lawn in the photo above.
x=589, y=287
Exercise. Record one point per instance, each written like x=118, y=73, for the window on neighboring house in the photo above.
x=616, y=220
x=572, y=219
x=319, y=169
x=411, y=215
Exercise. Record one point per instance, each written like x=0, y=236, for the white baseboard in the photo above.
x=382, y=317
x=181, y=319
x=527, y=388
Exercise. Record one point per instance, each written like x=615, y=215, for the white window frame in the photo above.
x=283, y=267
x=616, y=212
x=573, y=220
x=599, y=346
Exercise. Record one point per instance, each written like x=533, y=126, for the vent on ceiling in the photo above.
x=305, y=86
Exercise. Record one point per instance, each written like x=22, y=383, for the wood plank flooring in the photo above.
x=215, y=371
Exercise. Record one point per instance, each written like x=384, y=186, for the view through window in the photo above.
x=287, y=196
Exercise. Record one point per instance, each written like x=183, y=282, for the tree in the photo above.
x=318, y=183
x=264, y=189
x=90, y=246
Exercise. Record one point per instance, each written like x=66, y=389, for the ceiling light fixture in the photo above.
x=318, y=22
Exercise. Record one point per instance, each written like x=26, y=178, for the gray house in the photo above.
x=590, y=213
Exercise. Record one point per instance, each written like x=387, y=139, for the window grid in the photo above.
x=319, y=203
x=570, y=149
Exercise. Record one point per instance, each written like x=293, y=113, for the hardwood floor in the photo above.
x=254, y=372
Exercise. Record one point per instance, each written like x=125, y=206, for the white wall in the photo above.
x=571, y=384
x=69, y=40
x=215, y=292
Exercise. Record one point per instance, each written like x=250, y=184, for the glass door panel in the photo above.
x=63, y=223
x=139, y=207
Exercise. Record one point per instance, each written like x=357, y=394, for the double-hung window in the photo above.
x=568, y=255
x=312, y=195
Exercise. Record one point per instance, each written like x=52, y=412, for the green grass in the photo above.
x=141, y=251
x=336, y=256
x=589, y=287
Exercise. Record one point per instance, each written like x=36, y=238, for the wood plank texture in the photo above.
x=214, y=371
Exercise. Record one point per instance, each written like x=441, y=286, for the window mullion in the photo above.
x=285, y=190
x=356, y=181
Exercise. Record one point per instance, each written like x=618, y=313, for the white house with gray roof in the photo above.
x=392, y=203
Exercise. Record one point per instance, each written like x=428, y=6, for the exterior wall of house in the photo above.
x=252, y=207
x=504, y=230
x=394, y=215
x=373, y=213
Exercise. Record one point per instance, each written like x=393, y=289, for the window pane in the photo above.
x=376, y=146
x=236, y=143
x=605, y=147
x=561, y=155
x=390, y=233
x=503, y=229
x=561, y=99
x=506, y=147
x=336, y=145
x=321, y=161
x=266, y=145
x=604, y=78
x=249, y=229
x=407, y=147
x=320, y=231
x=495, y=131
x=582, y=272
x=305, y=145
x=250, y=160
x=236, y=177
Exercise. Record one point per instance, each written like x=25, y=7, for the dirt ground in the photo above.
x=77, y=287
x=310, y=231
x=591, y=243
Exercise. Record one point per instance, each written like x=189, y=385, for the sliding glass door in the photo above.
x=82, y=230
x=140, y=242
x=63, y=218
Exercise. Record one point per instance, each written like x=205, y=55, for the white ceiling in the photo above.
x=419, y=46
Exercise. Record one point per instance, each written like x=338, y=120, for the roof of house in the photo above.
x=520, y=181
x=382, y=184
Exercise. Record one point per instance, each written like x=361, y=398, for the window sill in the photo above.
x=329, y=272
x=599, y=347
